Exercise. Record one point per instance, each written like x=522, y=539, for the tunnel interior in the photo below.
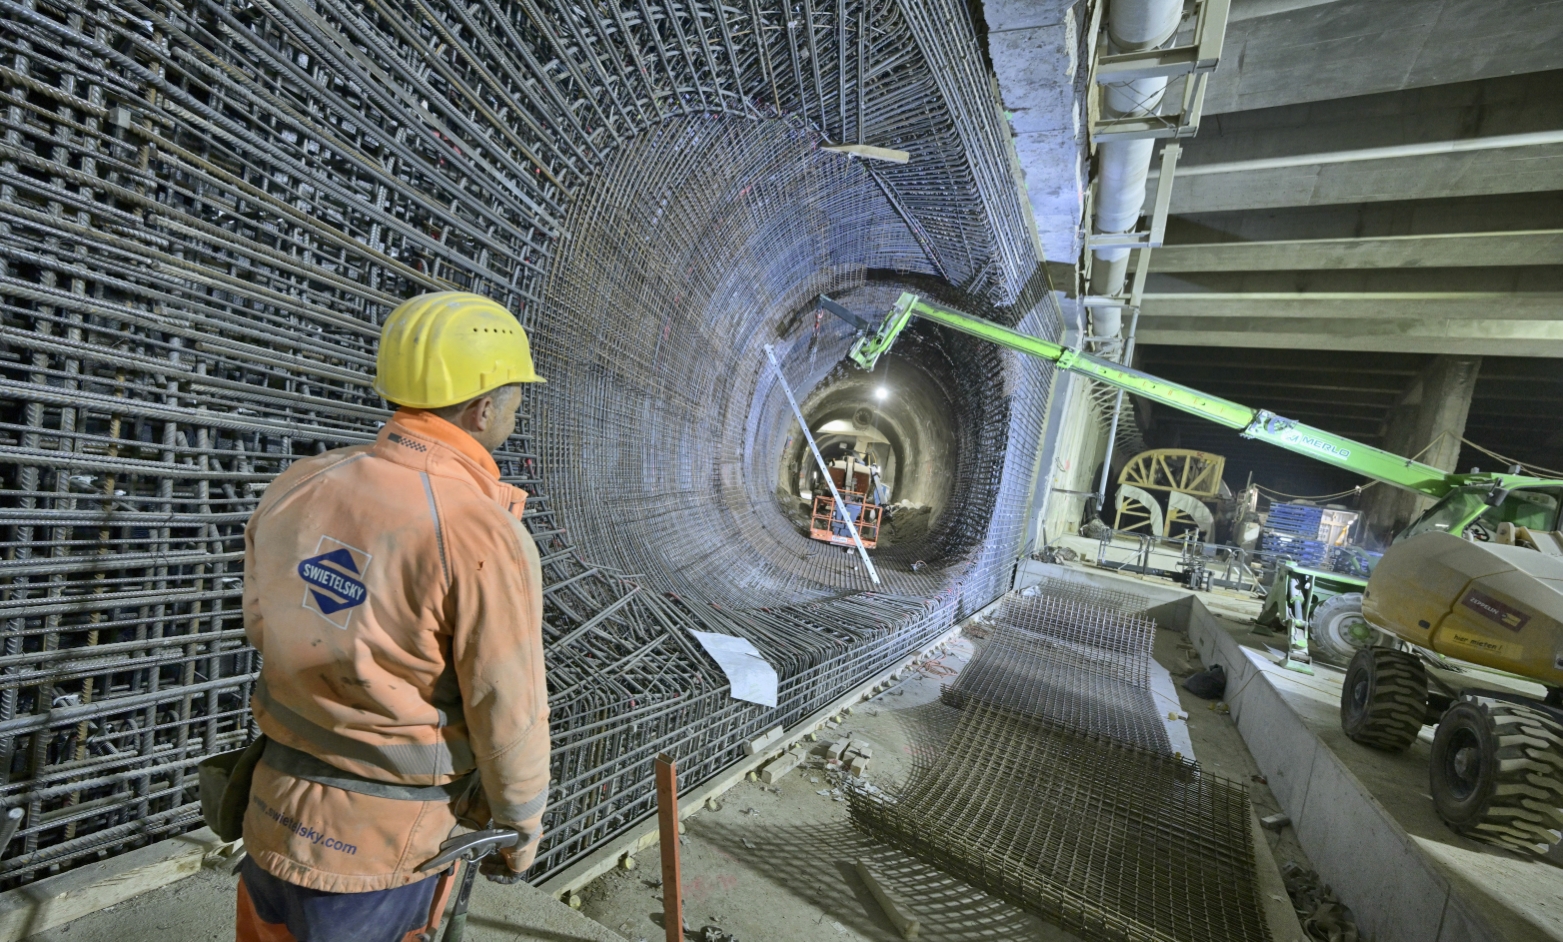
x=209, y=209
x=903, y=418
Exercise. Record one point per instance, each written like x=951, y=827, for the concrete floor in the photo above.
x=1519, y=897
x=1523, y=896
x=201, y=908
x=776, y=864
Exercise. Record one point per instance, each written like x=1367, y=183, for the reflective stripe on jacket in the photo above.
x=396, y=601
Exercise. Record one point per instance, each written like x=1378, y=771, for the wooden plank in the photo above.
x=870, y=152
x=56, y=900
x=895, y=910
x=667, y=822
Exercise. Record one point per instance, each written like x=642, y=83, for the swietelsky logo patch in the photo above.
x=333, y=580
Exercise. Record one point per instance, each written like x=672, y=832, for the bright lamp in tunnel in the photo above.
x=880, y=393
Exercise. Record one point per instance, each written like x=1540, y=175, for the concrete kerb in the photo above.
x=645, y=835
x=1358, y=848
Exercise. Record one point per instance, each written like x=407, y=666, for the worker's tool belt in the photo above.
x=225, y=783
x=299, y=764
x=225, y=788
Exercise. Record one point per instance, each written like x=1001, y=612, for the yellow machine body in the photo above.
x=1491, y=604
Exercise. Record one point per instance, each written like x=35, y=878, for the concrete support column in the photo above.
x=1427, y=424
x=1074, y=458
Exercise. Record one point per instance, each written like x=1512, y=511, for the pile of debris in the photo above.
x=905, y=522
x=840, y=761
x=1323, y=916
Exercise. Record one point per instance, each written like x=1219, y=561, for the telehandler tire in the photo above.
x=1497, y=774
x=1384, y=700
x=1337, y=629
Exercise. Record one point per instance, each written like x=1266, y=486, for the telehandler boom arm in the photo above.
x=1253, y=423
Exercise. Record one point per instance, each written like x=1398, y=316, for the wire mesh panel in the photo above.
x=1111, y=842
x=208, y=206
x=1084, y=592
x=1071, y=665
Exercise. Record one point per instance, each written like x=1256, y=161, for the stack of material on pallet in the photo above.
x=1030, y=802
x=1293, y=530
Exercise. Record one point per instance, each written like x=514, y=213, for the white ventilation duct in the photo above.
x=1132, y=26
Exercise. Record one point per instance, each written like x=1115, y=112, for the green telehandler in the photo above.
x=1477, y=578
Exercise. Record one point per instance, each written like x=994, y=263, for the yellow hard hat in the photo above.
x=440, y=349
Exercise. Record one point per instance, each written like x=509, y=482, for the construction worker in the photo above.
x=396, y=601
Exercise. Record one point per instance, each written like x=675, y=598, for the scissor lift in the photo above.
x=826, y=524
x=853, y=480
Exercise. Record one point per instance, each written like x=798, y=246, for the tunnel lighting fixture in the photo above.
x=881, y=393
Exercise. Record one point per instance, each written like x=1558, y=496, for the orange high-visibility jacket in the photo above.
x=396, y=601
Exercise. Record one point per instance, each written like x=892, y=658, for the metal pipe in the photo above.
x=1123, y=165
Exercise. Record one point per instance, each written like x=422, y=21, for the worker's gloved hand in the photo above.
x=496, y=870
x=509, y=865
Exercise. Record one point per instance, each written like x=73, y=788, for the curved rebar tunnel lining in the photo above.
x=660, y=435
x=211, y=209
x=661, y=425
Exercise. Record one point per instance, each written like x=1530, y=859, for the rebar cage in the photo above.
x=208, y=206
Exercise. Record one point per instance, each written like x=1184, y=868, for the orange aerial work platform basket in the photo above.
x=827, y=525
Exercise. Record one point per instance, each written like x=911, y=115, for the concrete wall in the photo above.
x=1037, y=54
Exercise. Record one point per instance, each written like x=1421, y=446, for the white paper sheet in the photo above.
x=752, y=678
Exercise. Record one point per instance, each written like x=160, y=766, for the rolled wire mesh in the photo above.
x=1108, y=841
x=1071, y=665
x=207, y=207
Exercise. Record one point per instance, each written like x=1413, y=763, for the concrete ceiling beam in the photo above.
x=1036, y=50
x=1166, y=360
x=1486, y=310
x=1323, y=379
x=1315, y=390
x=1479, y=115
x=1460, y=250
x=1495, y=337
x=1514, y=212
x=1490, y=399
x=1316, y=181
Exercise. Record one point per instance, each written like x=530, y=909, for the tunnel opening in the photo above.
x=900, y=419
x=667, y=439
